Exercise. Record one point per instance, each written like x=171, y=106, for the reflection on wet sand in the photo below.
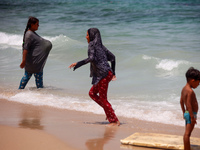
x=99, y=143
x=31, y=118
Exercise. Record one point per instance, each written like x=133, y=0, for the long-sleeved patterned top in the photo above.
x=98, y=56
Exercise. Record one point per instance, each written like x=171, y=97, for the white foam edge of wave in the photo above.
x=166, y=64
x=16, y=39
x=153, y=112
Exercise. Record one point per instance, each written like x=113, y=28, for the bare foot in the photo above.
x=115, y=123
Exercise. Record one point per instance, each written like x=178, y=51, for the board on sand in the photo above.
x=163, y=141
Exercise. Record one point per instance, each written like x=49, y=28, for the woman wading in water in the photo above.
x=100, y=71
x=35, y=53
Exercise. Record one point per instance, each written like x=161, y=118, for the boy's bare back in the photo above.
x=188, y=99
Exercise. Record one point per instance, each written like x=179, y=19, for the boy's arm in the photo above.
x=182, y=105
x=191, y=95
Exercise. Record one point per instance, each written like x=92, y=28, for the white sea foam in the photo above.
x=168, y=65
x=145, y=57
x=10, y=39
x=17, y=40
x=63, y=102
x=161, y=112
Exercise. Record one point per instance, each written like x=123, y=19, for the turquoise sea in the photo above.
x=154, y=41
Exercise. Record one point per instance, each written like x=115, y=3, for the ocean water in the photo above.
x=154, y=41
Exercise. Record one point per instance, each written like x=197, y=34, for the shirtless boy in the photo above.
x=189, y=104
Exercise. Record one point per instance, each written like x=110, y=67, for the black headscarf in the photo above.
x=95, y=36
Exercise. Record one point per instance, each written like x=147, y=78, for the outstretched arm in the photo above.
x=80, y=63
x=85, y=61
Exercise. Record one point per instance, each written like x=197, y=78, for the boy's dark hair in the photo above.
x=192, y=74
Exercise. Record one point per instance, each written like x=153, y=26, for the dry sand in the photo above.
x=12, y=138
x=30, y=127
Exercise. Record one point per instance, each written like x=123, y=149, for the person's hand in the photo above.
x=72, y=65
x=193, y=120
x=114, y=78
x=22, y=65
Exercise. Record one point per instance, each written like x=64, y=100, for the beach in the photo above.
x=154, y=42
x=43, y=127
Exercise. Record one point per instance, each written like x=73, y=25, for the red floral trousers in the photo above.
x=101, y=99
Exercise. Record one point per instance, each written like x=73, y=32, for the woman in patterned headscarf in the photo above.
x=100, y=71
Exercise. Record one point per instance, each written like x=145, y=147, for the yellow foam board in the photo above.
x=163, y=141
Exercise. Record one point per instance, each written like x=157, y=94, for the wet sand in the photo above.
x=42, y=127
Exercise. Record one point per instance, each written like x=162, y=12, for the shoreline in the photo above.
x=79, y=130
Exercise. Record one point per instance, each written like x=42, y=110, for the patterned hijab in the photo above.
x=95, y=36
